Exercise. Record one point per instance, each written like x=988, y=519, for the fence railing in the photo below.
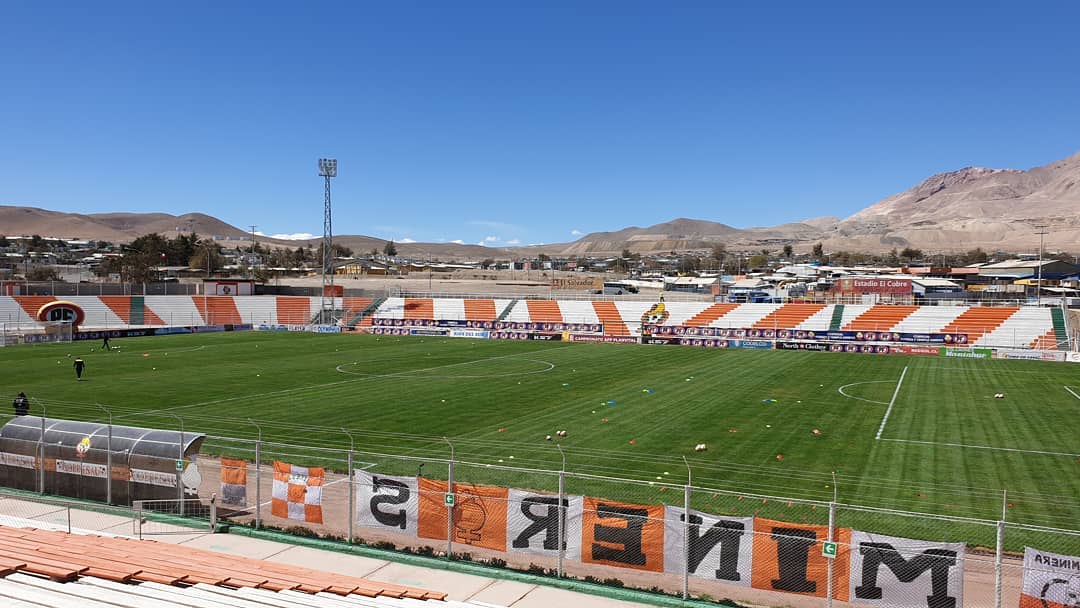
x=699, y=529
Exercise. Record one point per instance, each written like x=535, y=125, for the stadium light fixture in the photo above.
x=328, y=167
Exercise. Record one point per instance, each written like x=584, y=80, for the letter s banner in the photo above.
x=479, y=513
x=623, y=535
x=387, y=502
x=787, y=557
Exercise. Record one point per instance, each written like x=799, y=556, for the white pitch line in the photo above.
x=892, y=401
x=841, y=391
x=984, y=447
x=1072, y=392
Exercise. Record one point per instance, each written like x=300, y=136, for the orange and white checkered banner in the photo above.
x=297, y=492
x=233, y=482
x=1051, y=580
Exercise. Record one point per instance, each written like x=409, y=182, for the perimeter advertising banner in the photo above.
x=881, y=286
x=905, y=573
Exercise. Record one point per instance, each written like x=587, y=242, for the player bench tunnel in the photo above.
x=147, y=464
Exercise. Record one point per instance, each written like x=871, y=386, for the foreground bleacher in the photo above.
x=54, y=568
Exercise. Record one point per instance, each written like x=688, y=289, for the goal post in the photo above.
x=58, y=331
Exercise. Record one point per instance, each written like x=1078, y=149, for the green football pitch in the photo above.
x=913, y=433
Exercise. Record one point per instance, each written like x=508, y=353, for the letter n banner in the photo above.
x=387, y=503
x=623, y=535
x=906, y=573
x=1051, y=580
x=720, y=547
x=787, y=557
x=479, y=514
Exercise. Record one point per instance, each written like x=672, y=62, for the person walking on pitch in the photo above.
x=79, y=365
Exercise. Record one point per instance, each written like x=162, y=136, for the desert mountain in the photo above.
x=996, y=209
x=125, y=227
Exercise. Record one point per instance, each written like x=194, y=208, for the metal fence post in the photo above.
x=258, y=482
x=829, y=566
x=562, y=512
x=998, y=570
x=213, y=512
x=41, y=454
x=69, y=519
x=138, y=518
x=352, y=495
x=450, y=507
x=686, y=530
x=349, y=480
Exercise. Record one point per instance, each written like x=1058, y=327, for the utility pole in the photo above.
x=1042, y=234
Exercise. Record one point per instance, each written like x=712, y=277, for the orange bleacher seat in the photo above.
x=419, y=308
x=609, y=315
x=882, y=317
x=789, y=316
x=544, y=311
x=710, y=314
x=978, y=321
x=480, y=310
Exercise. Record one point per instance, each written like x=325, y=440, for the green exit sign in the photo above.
x=828, y=549
x=448, y=499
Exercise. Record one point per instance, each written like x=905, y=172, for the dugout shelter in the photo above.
x=147, y=464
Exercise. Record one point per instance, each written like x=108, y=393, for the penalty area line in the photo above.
x=888, y=410
x=984, y=447
x=1072, y=392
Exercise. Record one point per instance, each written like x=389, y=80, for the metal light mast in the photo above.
x=1042, y=235
x=327, y=169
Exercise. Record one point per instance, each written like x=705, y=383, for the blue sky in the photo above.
x=512, y=122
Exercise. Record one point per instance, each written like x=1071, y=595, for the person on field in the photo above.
x=21, y=404
x=105, y=342
x=79, y=365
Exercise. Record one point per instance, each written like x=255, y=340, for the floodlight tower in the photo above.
x=327, y=169
x=1042, y=235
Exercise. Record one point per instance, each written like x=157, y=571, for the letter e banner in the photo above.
x=623, y=535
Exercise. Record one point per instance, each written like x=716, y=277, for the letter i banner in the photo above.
x=479, y=513
x=297, y=492
x=622, y=535
x=788, y=558
x=386, y=502
x=906, y=573
x=1051, y=580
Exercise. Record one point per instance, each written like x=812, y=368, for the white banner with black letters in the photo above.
x=905, y=573
x=387, y=502
x=532, y=524
x=721, y=548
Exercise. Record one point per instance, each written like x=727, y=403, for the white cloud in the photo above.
x=513, y=242
x=458, y=241
x=491, y=239
x=407, y=240
x=576, y=232
x=482, y=244
x=296, y=236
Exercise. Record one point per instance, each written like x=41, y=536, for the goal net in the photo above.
x=58, y=331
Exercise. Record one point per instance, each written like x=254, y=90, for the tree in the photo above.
x=487, y=263
x=4, y=241
x=819, y=251
x=689, y=264
x=207, y=249
x=390, y=249
x=788, y=251
x=341, y=251
x=758, y=261
x=910, y=254
x=975, y=256
x=42, y=273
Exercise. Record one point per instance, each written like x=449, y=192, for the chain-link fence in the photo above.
x=676, y=532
